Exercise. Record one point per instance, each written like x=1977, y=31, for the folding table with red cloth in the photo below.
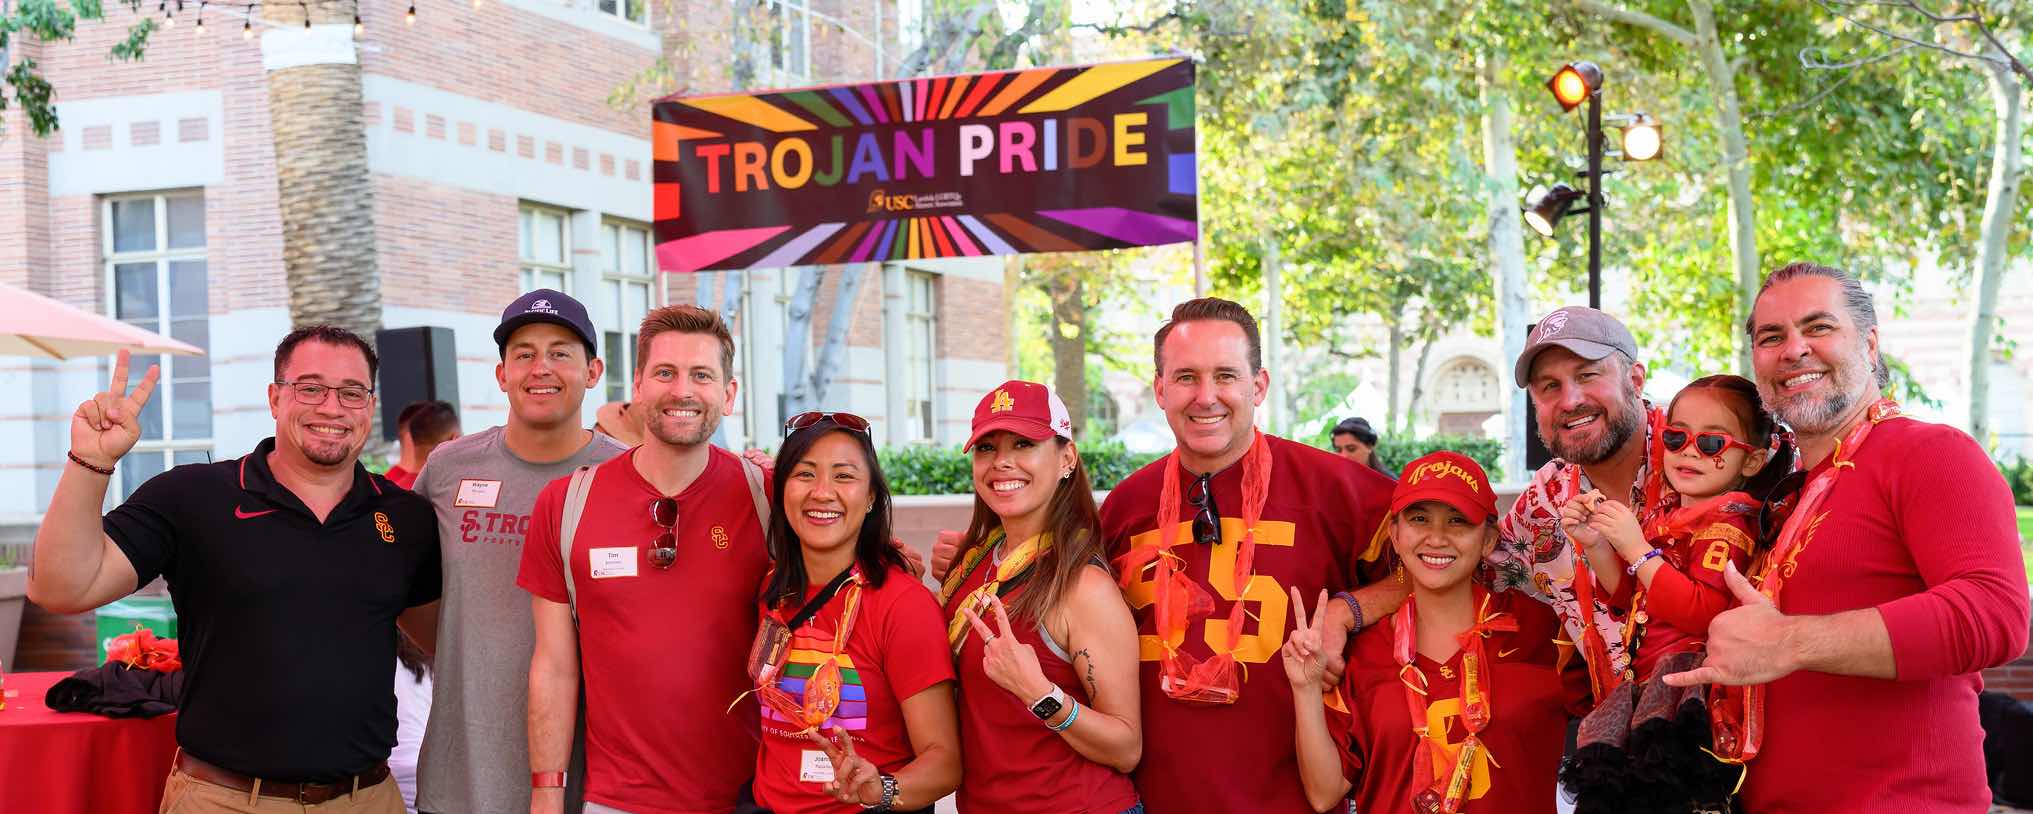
x=78, y=763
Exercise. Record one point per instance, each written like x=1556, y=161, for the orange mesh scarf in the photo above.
x=1181, y=601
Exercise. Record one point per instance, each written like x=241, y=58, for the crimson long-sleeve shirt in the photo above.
x=1923, y=531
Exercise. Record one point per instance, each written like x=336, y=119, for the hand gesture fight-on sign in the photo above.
x=106, y=427
x=855, y=780
x=1011, y=664
x=1304, y=650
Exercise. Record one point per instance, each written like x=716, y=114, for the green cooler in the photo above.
x=152, y=612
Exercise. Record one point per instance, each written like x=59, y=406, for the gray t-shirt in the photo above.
x=476, y=750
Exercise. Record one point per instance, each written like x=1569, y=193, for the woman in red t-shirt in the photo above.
x=850, y=658
x=1454, y=702
x=1046, y=648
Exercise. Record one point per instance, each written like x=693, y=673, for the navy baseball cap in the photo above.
x=546, y=305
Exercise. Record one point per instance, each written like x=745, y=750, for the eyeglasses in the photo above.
x=1207, y=522
x=847, y=421
x=1711, y=444
x=314, y=394
x=664, y=549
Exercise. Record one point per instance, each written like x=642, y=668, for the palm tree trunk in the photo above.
x=324, y=191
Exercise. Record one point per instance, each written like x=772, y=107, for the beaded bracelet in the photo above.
x=1640, y=562
x=94, y=467
x=1354, y=608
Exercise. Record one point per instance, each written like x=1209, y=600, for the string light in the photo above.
x=169, y=19
x=247, y=28
x=200, y=30
x=476, y=5
x=410, y=18
x=307, y=15
x=359, y=28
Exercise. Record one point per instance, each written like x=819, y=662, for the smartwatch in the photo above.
x=1049, y=705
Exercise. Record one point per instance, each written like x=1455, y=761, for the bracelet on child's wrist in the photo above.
x=1641, y=560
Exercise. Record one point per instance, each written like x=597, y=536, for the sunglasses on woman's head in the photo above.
x=848, y=421
x=1207, y=521
x=1711, y=444
x=664, y=549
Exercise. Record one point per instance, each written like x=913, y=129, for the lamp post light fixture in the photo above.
x=1574, y=84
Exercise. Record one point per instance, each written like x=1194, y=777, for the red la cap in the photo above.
x=1451, y=478
x=1028, y=409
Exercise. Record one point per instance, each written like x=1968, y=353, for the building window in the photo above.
x=546, y=235
x=154, y=247
x=630, y=10
x=790, y=52
x=628, y=290
x=920, y=326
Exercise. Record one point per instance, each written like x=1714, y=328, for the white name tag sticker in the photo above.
x=815, y=767
x=606, y=563
x=477, y=494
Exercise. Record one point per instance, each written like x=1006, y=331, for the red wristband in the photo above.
x=546, y=780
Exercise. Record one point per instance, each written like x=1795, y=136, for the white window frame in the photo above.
x=531, y=273
x=614, y=283
x=620, y=12
x=920, y=416
x=783, y=12
x=162, y=256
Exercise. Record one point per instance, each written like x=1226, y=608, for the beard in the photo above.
x=1819, y=413
x=328, y=453
x=709, y=421
x=1618, y=428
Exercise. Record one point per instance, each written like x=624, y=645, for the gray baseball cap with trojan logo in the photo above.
x=1589, y=333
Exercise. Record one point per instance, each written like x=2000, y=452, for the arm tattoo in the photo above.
x=1092, y=689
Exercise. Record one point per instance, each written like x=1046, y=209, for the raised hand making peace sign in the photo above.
x=855, y=780
x=106, y=427
x=1011, y=664
x=1305, y=661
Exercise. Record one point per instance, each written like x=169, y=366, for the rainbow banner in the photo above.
x=1042, y=160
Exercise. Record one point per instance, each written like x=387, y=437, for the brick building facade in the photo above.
x=498, y=165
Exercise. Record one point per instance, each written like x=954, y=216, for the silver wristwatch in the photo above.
x=888, y=795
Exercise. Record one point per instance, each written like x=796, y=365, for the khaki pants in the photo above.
x=184, y=794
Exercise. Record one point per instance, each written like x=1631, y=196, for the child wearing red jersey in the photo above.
x=1641, y=750
x=1052, y=697
x=850, y=659
x=1454, y=701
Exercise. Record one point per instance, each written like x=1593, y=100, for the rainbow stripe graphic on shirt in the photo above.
x=807, y=652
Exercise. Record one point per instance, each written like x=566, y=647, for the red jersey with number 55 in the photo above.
x=1317, y=529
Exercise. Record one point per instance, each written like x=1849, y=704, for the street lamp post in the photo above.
x=1574, y=84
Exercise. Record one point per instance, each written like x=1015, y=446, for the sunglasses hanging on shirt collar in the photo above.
x=1207, y=520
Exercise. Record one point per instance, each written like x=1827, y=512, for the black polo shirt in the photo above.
x=286, y=626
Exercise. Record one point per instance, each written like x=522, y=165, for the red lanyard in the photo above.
x=1739, y=712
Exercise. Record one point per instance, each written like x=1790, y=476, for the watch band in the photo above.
x=546, y=780
x=1057, y=694
x=889, y=793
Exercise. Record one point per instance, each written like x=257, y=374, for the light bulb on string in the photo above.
x=476, y=5
x=359, y=28
x=410, y=18
x=247, y=28
x=169, y=19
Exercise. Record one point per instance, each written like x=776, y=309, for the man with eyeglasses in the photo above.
x=655, y=607
x=1241, y=518
x=484, y=487
x=288, y=566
